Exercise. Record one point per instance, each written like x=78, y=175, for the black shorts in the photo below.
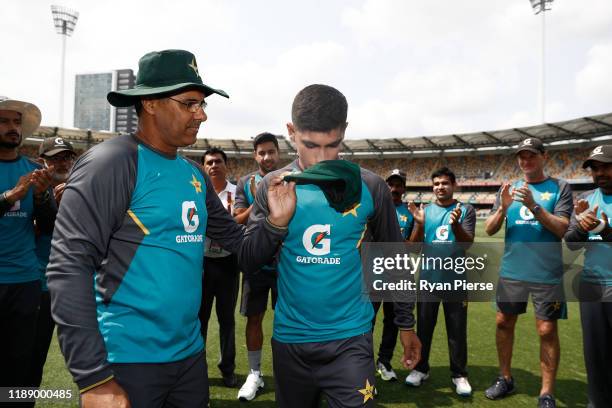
x=181, y=384
x=548, y=300
x=342, y=371
x=255, y=288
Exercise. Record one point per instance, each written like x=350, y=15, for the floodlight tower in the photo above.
x=541, y=7
x=65, y=20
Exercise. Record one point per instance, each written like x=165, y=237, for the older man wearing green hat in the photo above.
x=133, y=217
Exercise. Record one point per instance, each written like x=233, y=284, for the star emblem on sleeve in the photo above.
x=196, y=184
x=367, y=392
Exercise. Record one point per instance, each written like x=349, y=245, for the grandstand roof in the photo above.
x=571, y=131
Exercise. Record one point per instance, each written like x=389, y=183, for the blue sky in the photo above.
x=407, y=67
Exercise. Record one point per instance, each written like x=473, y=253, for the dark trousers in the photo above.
x=220, y=282
x=342, y=371
x=596, y=318
x=389, y=332
x=18, y=313
x=44, y=334
x=455, y=317
x=181, y=384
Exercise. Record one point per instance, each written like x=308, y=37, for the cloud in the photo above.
x=593, y=85
x=262, y=93
x=406, y=67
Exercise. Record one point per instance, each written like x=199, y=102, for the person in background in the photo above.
x=439, y=226
x=536, y=211
x=396, y=181
x=255, y=288
x=25, y=200
x=590, y=228
x=58, y=154
x=221, y=273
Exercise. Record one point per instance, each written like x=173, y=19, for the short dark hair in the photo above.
x=319, y=108
x=214, y=150
x=138, y=101
x=444, y=171
x=263, y=138
x=138, y=107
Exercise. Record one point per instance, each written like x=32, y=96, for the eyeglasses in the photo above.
x=193, y=106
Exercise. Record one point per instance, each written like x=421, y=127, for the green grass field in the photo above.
x=437, y=391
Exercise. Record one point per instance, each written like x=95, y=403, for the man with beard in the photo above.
x=590, y=228
x=24, y=198
x=255, y=288
x=439, y=226
x=59, y=155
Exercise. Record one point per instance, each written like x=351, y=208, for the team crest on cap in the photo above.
x=597, y=150
x=527, y=142
x=194, y=66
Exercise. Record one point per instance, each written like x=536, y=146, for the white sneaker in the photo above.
x=415, y=378
x=462, y=386
x=251, y=386
x=386, y=375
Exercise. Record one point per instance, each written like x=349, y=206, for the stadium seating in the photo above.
x=478, y=175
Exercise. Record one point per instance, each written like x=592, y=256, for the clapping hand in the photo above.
x=455, y=215
x=418, y=213
x=525, y=196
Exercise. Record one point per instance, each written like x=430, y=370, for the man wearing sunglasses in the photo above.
x=134, y=217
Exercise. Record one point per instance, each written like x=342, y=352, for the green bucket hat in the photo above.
x=163, y=72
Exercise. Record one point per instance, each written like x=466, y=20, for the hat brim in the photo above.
x=529, y=149
x=122, y=99
x=30, y=115
x=587, y=162
x=53, y=152
x=395, y=176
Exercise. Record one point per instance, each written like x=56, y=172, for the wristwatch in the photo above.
x=536, y=209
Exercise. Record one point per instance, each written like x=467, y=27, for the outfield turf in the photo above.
x=437, y=391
